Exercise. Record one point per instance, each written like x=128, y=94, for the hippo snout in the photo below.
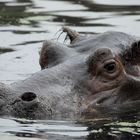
x=28, y=105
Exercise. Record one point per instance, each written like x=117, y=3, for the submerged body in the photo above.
x=94, y=76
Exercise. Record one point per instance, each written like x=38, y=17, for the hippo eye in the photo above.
x=110, y=67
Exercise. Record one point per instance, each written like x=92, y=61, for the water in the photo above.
x=21, y=129
x=24, y=24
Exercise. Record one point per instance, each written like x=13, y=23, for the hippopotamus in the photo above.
x=92, y=76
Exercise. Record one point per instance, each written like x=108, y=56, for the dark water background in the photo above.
x=24, y=24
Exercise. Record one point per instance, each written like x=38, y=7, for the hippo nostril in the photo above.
x=28, y=96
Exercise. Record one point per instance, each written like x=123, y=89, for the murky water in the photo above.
x=24, y=24
x=21, y=129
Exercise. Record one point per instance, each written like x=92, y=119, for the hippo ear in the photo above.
x=72, y=34
x=132, y=54
x=51, y=53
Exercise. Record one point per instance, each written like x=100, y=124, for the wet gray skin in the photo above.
x=92, y=77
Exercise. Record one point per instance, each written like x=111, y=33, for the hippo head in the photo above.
x=107, y=72
x=93, y=76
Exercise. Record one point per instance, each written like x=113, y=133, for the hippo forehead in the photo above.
x=112, y=40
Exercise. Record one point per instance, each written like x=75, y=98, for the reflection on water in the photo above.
x=11, y=13
x=5, y=50
x=24, y=24
x=66, y=130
